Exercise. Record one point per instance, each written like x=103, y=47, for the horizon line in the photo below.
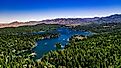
x=100, y=16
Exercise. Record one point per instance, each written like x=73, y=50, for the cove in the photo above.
x=46, y=45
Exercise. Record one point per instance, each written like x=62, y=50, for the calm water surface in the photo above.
x=46, y=45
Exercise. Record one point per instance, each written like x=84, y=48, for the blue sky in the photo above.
x=26, y=10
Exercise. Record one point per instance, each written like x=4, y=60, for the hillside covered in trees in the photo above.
x=100, y=50
x=16, y=45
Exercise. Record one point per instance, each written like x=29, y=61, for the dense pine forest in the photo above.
x=102, y=49
x=16, y=45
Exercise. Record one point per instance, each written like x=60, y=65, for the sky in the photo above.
x=37, y=10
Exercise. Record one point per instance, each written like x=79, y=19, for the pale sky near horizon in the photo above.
x=37, y=10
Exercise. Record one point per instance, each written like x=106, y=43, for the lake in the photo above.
x=46, y=45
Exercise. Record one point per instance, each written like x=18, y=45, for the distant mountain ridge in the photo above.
x=110, y=19
x=116, y=18
x=71, y=20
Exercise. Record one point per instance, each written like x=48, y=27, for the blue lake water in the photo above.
x=46, y=45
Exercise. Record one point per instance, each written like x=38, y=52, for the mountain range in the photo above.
x=116, y=18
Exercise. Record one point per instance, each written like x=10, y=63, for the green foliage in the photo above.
x=101, y=50
x=16, y=49
x=98, y=51
x=28, y=29
x=100, y=28
x=58, y=46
